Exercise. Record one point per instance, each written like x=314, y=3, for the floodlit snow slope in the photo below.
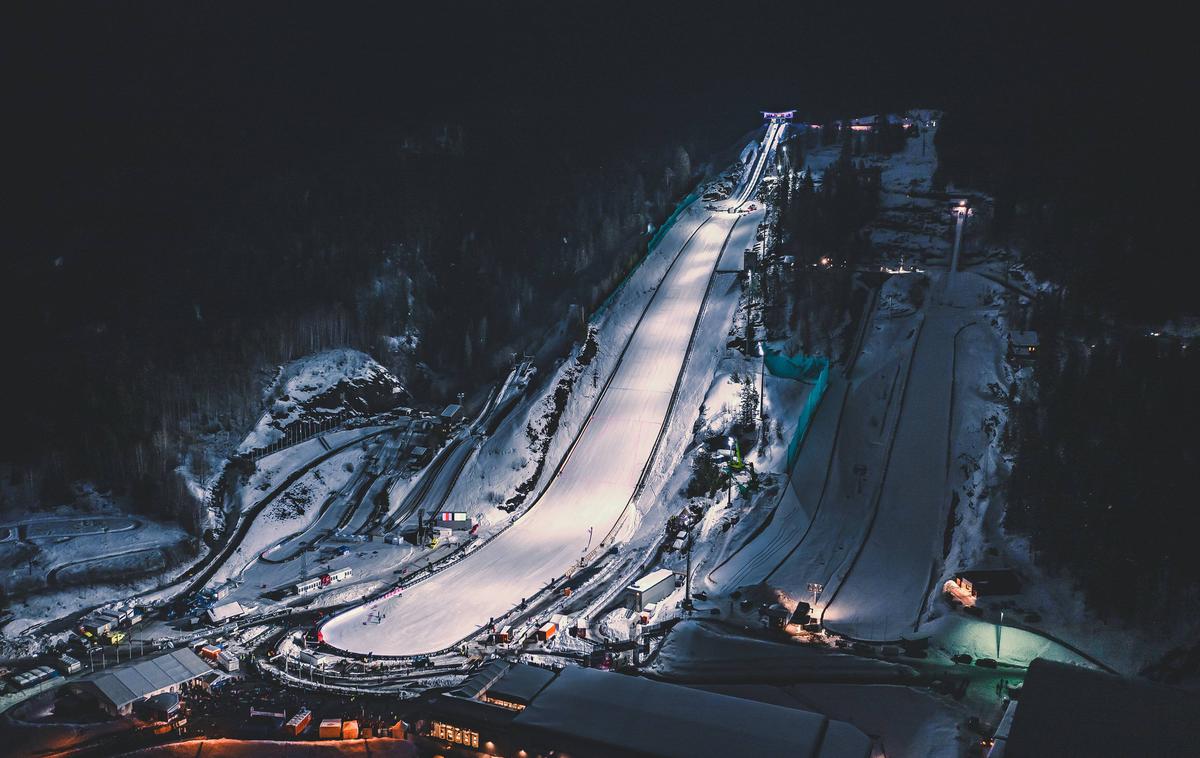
x=592, y=488
x=883, y=594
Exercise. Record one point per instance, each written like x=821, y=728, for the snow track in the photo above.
x=591, y=489
x=884, y=589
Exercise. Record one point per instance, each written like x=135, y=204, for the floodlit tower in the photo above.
x=960, y=210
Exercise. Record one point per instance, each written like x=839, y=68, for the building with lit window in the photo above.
x=1022, y=346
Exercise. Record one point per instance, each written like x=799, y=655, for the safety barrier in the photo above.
x=654, y=240
x=809, y=369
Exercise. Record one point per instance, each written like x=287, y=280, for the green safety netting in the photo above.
x=812, y=369
x=654, y=240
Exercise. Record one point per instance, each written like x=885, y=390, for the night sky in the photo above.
x=149, y=116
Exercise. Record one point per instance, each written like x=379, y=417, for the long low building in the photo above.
x=514, y=709
x=118, y=688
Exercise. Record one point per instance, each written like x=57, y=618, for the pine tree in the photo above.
x=748, y=409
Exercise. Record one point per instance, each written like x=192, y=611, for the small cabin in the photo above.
x=989, y=582
x=1022, y=345
x=450, y=414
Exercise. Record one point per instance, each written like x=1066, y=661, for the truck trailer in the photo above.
x=651, y=588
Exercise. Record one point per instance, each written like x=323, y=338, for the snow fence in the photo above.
x=810, y=369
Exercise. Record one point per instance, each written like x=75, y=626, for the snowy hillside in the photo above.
x=330, y=385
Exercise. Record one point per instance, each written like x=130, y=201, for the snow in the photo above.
x=73, y=558
x=864, y=510
x=980, y=639
x=888, y=578
x=292, y=512
x=304, y=388
x=593, y=488
x=711, y=653
x=277, y=467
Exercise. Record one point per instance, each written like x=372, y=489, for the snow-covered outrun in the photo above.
x=600, y=475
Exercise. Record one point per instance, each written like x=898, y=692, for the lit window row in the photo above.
x=503, y=703
x=455, y=734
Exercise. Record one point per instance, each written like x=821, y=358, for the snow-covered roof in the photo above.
x=124, y=684
x=1023, y=339
x=630, y=715
x=227, y=611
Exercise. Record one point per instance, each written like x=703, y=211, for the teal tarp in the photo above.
x=658, y=235
x=803, y=368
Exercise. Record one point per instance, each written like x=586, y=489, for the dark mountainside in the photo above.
x=1094, y=177
x=197, y=197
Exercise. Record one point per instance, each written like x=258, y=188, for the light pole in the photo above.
x=687, y=577
x=762, y=366
x=961, y=210
x=999, y=630
x=815, y=588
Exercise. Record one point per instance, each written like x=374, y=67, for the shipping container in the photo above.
x=651, y=588
x=34, y=677
x=228, y=661
x=298, y=722
x=547, y=631
x=504, y=635
x=210, y=652
x=308, y=585
x=95, y=625
x=67, y=665
x=330, y=729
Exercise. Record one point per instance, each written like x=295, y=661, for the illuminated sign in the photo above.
x=454, y=516
x=780, y=114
